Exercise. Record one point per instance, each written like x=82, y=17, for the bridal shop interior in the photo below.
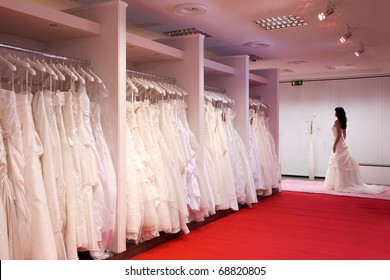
x=132, y=122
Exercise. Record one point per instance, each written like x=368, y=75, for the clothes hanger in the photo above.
x=58, y=72
x=138, y=82
x=49, y=70
x=34, y=64
x=175, y=90
x=84, y=73
x=8, y=64
x=96, y=77
x=185, y=93
x=67, y=71
x=168, y=89
x=131, y=85
x=149, y=83
x=79, y=78
x=157, y=87
x=18, y=61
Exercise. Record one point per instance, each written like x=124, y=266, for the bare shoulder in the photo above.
x=336, y=123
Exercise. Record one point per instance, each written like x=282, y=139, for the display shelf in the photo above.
x=215, y=68
x=37, y=22
x=257, y=80
x=142, y=50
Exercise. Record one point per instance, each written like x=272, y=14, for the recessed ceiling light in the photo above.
x=281, y=22
x=257, y=44
x=297, y=62
x=191, y=9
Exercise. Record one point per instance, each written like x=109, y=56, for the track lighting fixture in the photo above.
x=347, y=35
x=254, y=58
x=360, y=50
x=329, y=10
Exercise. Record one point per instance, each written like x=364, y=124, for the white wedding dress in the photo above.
x=343, y=174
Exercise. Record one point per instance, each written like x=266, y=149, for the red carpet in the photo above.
x=288, y=226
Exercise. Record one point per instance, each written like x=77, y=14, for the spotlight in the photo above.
x=360, y=50
x=254, y=58
x=347, y=35
x=329, y=10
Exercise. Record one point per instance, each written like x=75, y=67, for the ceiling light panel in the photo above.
x=281, y=22
x=186, y=32
x=342, y=67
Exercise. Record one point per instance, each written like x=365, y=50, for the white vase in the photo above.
x=311, y=164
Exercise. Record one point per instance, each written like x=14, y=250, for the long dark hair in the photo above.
x=341, y=116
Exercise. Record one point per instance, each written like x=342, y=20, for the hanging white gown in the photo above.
x=343, y=174
x=6, y=213
x=235, y=158
x=89, y=172
x=263, y=145
x=134, y=195
x=98, y=194
x=271, y=166
x=211, y=154
x=75, y=145
x=156, y=166
x=70, y=238
x=57, y=155
x=43, y=245
x=178, y=165
x=108, y=177
x=206, y=200
x=166, y=161
x=13, y=192
x=246, y=173
x=149, y=227
x=218, y=160
x=257, y=170
x=193, y=191
x=49, y=168
x=225, y=162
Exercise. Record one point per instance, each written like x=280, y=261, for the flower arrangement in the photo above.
x=310, y=126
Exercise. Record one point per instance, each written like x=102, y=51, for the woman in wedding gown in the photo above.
x=343, y=172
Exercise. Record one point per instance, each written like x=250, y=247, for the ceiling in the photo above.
x=312, y=51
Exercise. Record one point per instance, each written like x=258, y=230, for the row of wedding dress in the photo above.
x=166, y=188
x=57, y=180
x=168, y=182
x=263, y=159
x=226, y=155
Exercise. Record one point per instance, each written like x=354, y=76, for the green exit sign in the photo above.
x=297, y=83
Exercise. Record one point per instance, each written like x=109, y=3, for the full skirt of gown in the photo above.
x=343, y=174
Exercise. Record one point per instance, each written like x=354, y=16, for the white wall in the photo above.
x=367, y=104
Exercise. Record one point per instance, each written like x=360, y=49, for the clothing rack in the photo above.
x=255, y=103
x=218, y=95
x=258, y=106
x=214, y=89
x=44, y=54
x=154, y=77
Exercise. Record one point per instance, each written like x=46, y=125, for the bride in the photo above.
x=343, y=172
